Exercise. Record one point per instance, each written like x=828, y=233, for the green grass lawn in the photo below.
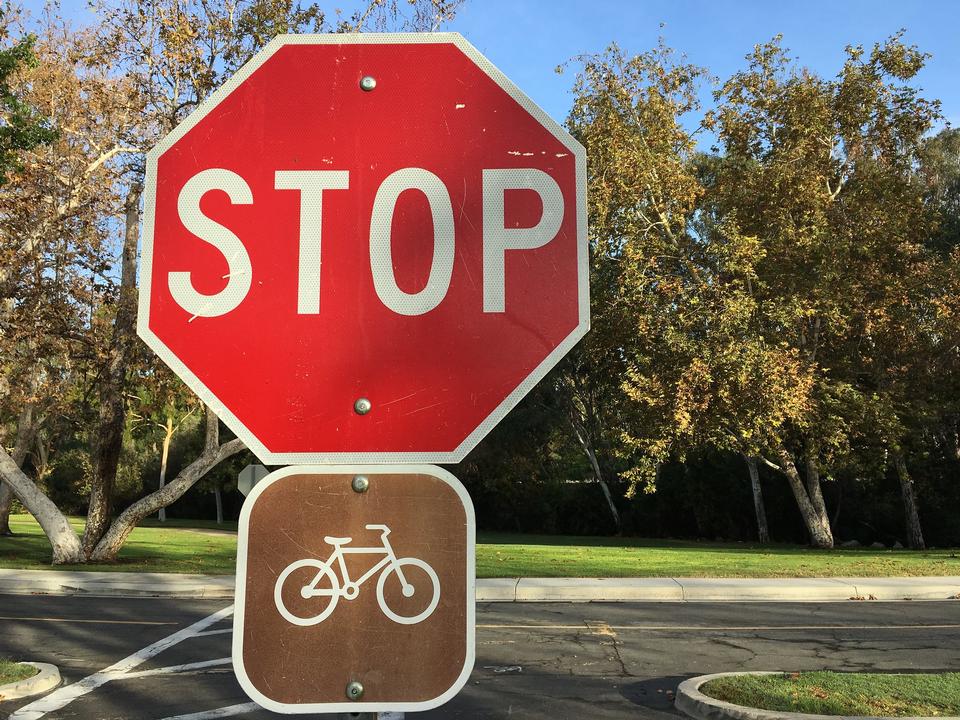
x=11, y=671
x=501, y=555
x=148, y=549
x=830, y=693
x=191, y=547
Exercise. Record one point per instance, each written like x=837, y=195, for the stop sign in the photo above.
x=364, y=248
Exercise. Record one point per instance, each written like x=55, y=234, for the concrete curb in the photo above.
x=47, y=679
x=596, y=590
x=217, y=587
x=716, y=589
x=62, y=582
x=697, y=705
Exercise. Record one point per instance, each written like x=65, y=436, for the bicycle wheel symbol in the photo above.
x=332, y=595
x=415, y=586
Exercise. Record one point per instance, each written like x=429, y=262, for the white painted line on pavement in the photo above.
x=173, y=669
x=64, y=696
x=227, y=711
x=215, y=632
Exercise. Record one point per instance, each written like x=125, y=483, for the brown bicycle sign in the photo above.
x=344, y=574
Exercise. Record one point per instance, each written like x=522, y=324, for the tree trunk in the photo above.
x=63, y=540
x=26, y=432
x=6, y=503
x=908, y=494
x=167, y=437
x=814, y=490
x=213, y=453
x=219, y=499
x=818, y=525
x=953, y=433
x=592, y=456
x=614, y=513
x=579, y=411
x=42, y=458
x=763, y=531
x=108, y=436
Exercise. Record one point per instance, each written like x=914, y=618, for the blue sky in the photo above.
x=527, y=39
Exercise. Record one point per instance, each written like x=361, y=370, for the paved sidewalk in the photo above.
x=57, y=582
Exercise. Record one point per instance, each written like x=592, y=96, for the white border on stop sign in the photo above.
x=267, y=456
x=239, y=609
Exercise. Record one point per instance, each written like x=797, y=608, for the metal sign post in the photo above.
x=250, y=476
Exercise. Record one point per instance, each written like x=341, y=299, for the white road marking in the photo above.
x=227, y=711
x=64, y=696
x=231, y=710
x=214, y=632
x=172, y=669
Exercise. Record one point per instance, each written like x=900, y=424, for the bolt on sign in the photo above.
x=364, y=248
x=355, y=589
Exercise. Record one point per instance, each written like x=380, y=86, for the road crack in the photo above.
x=603, y=629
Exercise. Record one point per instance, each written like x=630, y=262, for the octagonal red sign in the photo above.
x=364, y=248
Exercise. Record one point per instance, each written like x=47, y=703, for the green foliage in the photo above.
x=821, y=172
x=22, y=128
x=527, y=476
x=940, y=171
x=677, y=276
x=68, y=481
x=786, y=297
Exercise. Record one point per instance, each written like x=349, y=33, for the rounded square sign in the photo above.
x=355, y=589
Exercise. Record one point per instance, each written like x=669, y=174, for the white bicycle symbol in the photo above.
x=387, y=565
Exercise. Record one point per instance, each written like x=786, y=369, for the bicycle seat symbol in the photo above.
x=411, y=584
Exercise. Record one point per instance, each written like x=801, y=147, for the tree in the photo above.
x=819, y=171
x=627, y=114
x=939, y=172
x=54, y=243
x=23, y=128
x=673, y=284
x=584, y=389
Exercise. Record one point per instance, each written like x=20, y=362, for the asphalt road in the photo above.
x=533, y=660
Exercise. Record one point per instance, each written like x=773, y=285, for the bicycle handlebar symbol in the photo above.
x=349, y=590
